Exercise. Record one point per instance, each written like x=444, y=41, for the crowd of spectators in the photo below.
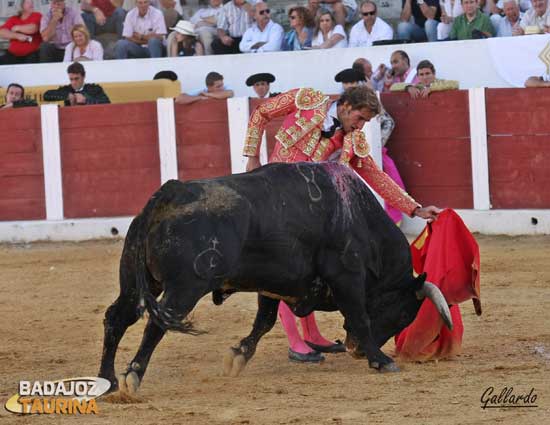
x=153, y=28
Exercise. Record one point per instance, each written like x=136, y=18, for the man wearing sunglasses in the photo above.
x=371, y=28
x=265, y=35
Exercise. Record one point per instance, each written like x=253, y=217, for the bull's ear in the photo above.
x=419, y=281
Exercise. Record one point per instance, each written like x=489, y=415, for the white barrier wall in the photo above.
x=499, y=62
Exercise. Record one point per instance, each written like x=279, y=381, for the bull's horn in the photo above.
x=429, y=290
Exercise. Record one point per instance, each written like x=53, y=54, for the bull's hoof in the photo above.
x=128, y=383
x=233, y=363
x=114, y=383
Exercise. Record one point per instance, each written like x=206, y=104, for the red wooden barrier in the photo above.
x=21, y=170
x=202, y=135
x=110, y=158
x=518, y=126
x=431, y=146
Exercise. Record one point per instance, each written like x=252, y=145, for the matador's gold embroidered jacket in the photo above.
x=300, y=139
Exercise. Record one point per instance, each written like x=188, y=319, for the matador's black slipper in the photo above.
x=337, y=347
x=313, y=357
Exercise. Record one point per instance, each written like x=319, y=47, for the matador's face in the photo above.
x=353, y=119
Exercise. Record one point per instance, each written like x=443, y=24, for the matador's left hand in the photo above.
x=428, y=213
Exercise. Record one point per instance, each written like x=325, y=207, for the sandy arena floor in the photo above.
x=54, y=297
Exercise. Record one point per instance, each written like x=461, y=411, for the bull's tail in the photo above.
x=162, y=317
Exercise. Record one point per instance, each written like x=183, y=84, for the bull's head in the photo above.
x=392, y=311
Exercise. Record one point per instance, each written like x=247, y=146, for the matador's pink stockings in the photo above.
x=309, y=327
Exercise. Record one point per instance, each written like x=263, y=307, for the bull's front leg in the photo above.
x=349, y=294
x=237, y=358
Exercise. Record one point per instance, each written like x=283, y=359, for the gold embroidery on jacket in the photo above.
x=308, y=99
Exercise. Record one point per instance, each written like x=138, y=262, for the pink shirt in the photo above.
x=402, y=79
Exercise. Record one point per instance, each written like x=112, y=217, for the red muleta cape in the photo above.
x=448, y=253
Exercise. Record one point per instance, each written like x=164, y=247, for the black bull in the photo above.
x=310, y=234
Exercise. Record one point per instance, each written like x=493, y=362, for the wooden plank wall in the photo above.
x=110, y=158
x=21, y=170
x=202, y=135
x=431, y=146
x=110, y=154
x=518, y=127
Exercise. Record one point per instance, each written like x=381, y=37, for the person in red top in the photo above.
x=23, y=31
x=318, y=129
x=102, y=16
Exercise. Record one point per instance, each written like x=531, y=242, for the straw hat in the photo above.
x=185, y=28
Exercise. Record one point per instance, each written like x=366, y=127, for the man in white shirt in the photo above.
x=233, y=21
x=509, y=24
x=144, y=31
x=536, y=17
x=265, y=35
x=205, y=21
x=370, y=29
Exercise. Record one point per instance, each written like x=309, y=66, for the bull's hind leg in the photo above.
x=176, y=303
x=119, y=316
x=237, y=357
x=123, y=313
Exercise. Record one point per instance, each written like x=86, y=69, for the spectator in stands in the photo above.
x=537, y=82
x=205, y=21
x=171, y=15
x=344, y=11
x=400, y=71
x=184, y=42
x=370, y=29
x=55, y=29
x=376, y=81
x=301, y=29
x=328, y=33
x=419, y=20
x=103, y=16
x=427, y=82
x=450, y=9
x=536, y=20
x=233, y=21
x=497, y=10
x=509, y=24
x=82, y=48
x=78, y=92
x=23, y=32
x=215, y=89
x=144, y=32
x=260, y=83
x=15, y=97
x=264, y=35
x=472, y=23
